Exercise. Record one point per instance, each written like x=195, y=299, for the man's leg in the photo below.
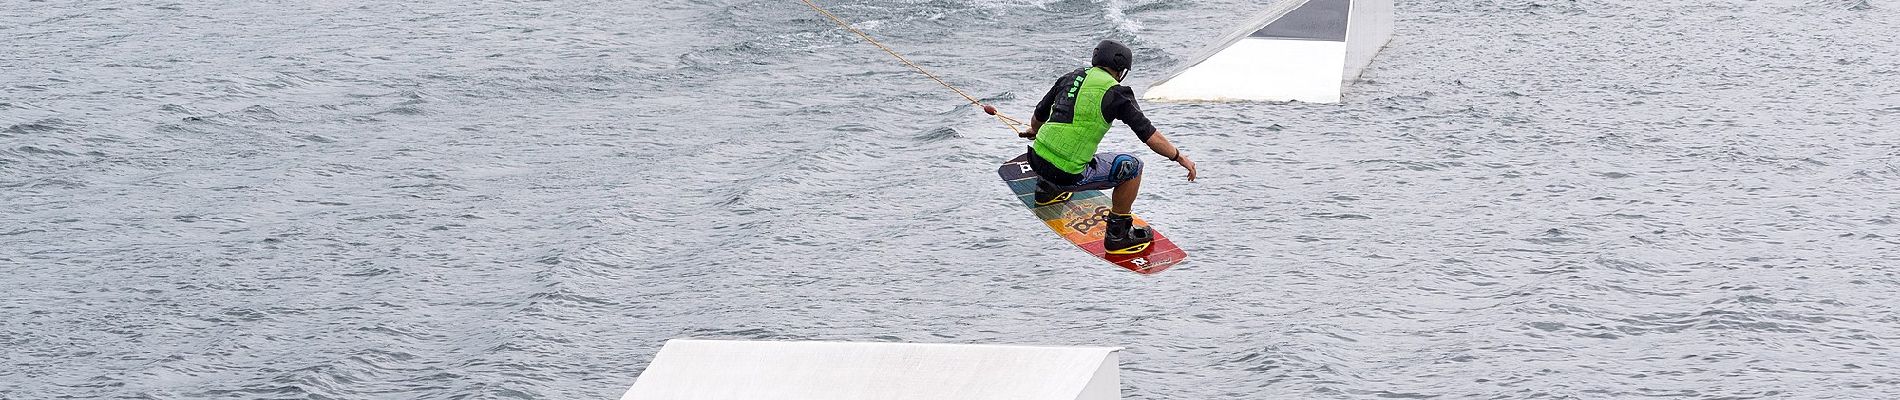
x=1124, y=196
x=1121, y=237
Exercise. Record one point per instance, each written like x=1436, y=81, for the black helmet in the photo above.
x=1114, y=55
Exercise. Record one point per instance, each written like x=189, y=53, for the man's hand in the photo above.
x=1028, y=134
x=1189, y=164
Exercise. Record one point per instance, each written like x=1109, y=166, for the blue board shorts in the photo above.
x=1106, y=171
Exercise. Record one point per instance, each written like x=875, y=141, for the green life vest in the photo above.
x=1070, y=145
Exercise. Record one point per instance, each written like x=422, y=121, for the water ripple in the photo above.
x=1520, y=199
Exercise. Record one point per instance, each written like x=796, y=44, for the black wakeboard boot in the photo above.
x=1125, y=238
x=1047, y=194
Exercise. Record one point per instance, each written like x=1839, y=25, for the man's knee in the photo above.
x=1126, y=168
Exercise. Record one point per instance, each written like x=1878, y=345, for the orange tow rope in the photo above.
x=1012, y=123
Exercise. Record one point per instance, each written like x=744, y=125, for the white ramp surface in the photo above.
x=1303, y=50
x=733, y=370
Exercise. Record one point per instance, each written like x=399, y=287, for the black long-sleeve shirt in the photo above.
x=1117, y=104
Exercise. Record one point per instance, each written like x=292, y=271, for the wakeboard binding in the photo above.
x=1125, y=238
x=1046, y=194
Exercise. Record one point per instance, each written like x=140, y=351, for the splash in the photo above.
x=1116, y=14
x=1115, y=11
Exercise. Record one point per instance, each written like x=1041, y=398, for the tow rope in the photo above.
x=1012, y=123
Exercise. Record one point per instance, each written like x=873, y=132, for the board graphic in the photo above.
x=1079, y=221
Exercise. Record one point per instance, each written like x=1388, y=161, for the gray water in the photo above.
x=524, y=199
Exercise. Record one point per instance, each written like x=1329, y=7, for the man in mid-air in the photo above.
x=1068, y=126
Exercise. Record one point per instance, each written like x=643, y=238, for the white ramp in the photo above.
x=1300, y=50
x=756, y=370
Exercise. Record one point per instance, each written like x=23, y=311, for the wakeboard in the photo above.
x=1080, y=221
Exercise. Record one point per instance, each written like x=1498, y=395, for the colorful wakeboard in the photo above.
x=1079, y=220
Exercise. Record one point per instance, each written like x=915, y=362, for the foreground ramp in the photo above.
x=732, y=370
x=1300, y=50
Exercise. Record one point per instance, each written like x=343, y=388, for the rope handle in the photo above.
x=1012, y=123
